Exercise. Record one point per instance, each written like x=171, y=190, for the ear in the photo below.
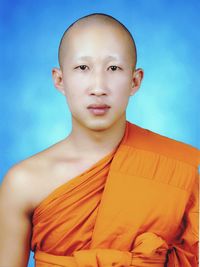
x=58, y=79
x=136, y=81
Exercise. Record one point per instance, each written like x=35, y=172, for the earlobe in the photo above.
x=137, y=80
x=58, y=79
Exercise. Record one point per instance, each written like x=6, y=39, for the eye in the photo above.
x=114, y=68
x=82, y=67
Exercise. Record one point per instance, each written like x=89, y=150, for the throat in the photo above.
x=86, y=143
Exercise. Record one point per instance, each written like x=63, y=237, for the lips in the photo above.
x=98, y=109
x=98, y=106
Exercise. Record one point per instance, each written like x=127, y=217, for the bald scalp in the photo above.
x=99, y=18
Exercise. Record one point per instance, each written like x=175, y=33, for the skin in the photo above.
x=97, y=83
x=102, y=80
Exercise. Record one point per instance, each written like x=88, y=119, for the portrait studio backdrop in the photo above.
x=34, y=115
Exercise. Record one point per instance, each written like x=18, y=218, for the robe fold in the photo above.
x=138, y=206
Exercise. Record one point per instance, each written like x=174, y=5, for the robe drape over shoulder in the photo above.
x=135, y=207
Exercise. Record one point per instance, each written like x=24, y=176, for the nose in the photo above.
x=98, y=84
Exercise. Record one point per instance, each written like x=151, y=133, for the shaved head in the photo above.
x=96, y=19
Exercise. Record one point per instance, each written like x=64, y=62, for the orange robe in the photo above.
x=135, y=207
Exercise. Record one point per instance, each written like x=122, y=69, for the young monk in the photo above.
x=111, y=193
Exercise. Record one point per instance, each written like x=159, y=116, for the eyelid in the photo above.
x=86, y=67
x=115, y=66
x=78, y=67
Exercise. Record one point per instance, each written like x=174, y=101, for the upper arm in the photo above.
x=15, y=222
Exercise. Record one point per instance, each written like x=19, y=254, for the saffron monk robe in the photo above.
x=135, y=207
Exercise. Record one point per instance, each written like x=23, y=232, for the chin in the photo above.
x=98, y=124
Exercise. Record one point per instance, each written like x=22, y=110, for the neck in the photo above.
x=86, y=142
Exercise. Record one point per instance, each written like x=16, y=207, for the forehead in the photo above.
x=93, y=36
x=97, y=35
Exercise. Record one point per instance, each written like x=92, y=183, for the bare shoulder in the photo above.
x=23, y=187
x=27, y=181
x=15, y=217
x=15, y=187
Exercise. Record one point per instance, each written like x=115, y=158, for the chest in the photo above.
x=136, y=205
x=50, y=178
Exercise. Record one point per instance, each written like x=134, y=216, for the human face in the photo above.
x=97, y=75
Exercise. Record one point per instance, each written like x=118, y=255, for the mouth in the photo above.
x=98, y=109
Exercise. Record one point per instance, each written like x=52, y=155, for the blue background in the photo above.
x=34, y=115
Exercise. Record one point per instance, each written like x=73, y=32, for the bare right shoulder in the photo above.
x=15, y=217
x=22, y=183
x=15, y=187
x=23, y=188
x=29, y=181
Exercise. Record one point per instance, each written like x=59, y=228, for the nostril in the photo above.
x=98, y=92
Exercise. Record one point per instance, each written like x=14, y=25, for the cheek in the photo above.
x=121, y=89
x=121, y=86
x=72, y=86
x=78, y=80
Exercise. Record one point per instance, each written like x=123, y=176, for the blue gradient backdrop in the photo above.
x=34, y=115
